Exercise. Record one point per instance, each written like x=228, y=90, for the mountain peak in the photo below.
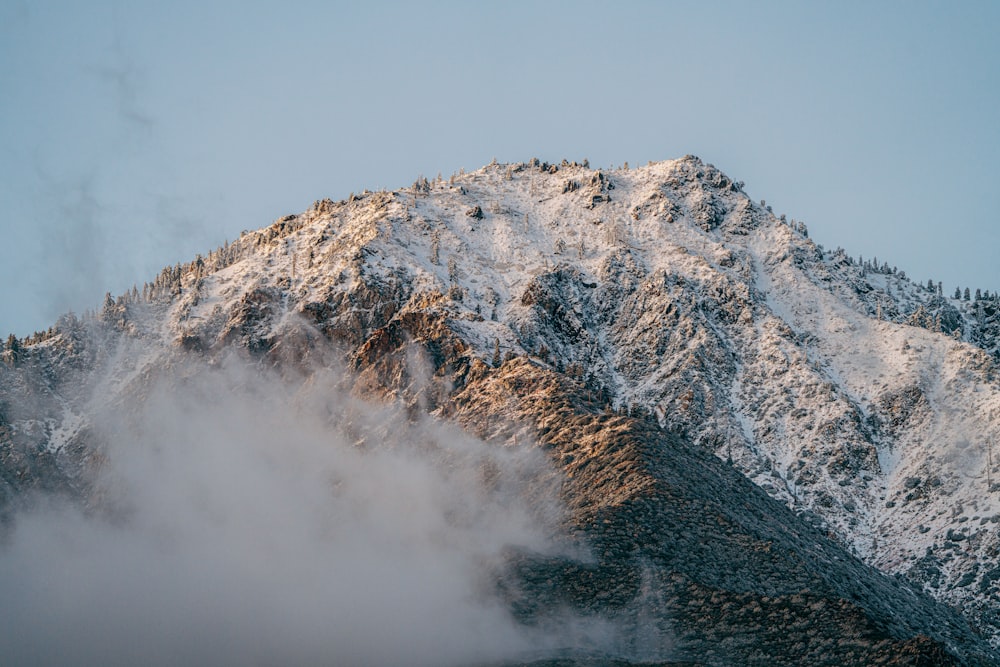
x=658, y=307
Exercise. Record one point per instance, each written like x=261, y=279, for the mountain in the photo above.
x=767, y=452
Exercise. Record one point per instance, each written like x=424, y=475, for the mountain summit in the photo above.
x=766, y=452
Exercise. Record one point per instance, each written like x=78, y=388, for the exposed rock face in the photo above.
x=687, y=549
x=755, y=434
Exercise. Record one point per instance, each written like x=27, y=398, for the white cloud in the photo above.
x=244, y=518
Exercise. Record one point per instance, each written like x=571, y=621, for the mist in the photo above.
x=241, y=517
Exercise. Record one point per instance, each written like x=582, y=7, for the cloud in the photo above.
x=246, y=518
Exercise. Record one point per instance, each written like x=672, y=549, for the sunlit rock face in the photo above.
x=749, y=449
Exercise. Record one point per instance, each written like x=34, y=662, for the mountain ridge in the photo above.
x=664, y=293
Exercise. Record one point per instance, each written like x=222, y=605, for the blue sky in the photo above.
x=136, y=134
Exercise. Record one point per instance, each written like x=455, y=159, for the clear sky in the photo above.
x=135, y=134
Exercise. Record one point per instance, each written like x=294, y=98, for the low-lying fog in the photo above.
x=244, y=518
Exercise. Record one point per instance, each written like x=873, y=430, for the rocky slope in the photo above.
x=667, y=341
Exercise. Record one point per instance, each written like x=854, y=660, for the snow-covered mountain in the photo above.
x=657, y=332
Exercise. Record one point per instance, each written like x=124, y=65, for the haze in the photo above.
x=246, y=518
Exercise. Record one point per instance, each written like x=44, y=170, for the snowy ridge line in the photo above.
x=862, y=400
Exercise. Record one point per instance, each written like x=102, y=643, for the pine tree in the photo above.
x=14, y=348
x=108, y=309
x=496, y=353
x=435, y=247
x=966, y=295
x=958, y=293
